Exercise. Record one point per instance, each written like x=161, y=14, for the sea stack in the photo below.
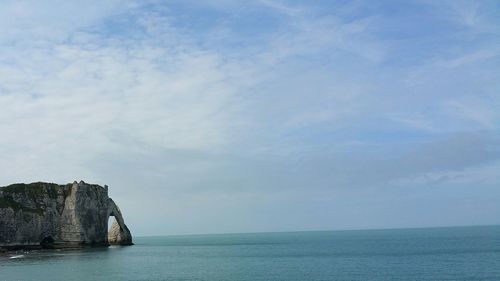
x=48, y=215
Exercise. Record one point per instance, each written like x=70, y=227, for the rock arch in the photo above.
x=118, y=234
x=48, y=215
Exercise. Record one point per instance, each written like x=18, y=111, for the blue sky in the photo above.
x=244, y=116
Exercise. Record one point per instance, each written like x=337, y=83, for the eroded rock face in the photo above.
x=119, y=236
x=118, y=233
x=50, y=215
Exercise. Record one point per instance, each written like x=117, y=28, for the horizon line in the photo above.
x=325, y=230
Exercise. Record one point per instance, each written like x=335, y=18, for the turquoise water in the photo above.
x=465, y=253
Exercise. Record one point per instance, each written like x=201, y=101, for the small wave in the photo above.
x=17, y=257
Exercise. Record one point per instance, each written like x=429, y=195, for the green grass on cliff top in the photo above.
x=10, y=194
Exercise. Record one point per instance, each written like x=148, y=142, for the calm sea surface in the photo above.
x=464, y=253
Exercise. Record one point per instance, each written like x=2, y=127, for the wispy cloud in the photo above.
x=270, y=105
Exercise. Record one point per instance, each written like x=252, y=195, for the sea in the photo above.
x=455, y=253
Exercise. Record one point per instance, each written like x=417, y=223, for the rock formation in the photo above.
x=118, y=233
x=47, y=215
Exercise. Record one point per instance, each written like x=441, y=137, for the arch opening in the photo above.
x=111, y=236
x=118, y=232
x=111, y=220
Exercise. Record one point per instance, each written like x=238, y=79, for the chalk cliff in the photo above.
x=47, y=215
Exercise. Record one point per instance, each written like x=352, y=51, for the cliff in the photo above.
x=47, y=215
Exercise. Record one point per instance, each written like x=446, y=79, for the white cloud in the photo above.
x=65, y=103
x=474, y=57
x=42, y=21
x=117, y=93
x=482, y=114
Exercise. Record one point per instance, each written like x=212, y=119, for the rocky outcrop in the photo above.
x=46, y=215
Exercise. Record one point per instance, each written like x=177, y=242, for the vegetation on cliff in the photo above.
x=12, y=196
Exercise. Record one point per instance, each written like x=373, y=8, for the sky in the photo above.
x=219, y=116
